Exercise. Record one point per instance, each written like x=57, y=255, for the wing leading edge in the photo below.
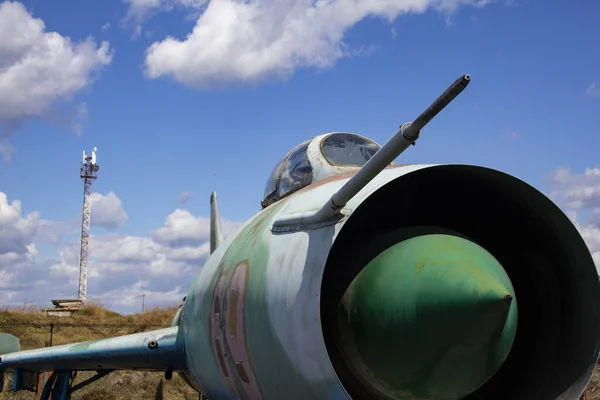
x=158, y=350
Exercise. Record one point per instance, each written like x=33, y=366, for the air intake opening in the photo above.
x=549, y=265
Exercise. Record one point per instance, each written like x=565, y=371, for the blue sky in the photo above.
x=215, y=110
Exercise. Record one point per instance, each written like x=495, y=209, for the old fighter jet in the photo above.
x=364, y=279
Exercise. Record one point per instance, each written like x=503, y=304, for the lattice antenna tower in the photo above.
x=89, y=173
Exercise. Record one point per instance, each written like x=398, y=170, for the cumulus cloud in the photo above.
x=40, y=70
x=182, y=229
x=242, y=41
x=592, y=90
x=121, y=267
x=107, y=211
x=16, y=231
x=54, y=231
x=579, y=194
x=577, y=191
x=162, y=264
x=16, y=245
x=129, y=297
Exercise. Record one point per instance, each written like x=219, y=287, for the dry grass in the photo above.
x=118, y=385
x=594, y=387
x=128, y=385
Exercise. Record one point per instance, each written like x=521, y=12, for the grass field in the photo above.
x=119, y=384
x=594, y=387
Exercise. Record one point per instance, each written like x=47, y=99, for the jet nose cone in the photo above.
x=430, y=318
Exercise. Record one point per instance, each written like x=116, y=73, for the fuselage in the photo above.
x=251, y=320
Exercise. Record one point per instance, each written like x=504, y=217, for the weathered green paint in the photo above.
x=83, y=345
x=246, y=246
x=121, y=352
x=9, y=343
x=430, y=318
x=274, y=371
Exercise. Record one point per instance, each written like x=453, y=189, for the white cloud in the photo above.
x=182, y=229
x=184, y=197
x=107, y=211
x=121, y=267
x=509, y=135
x=513, y=3
x=6, y=149
x=137, y=31
x=592, y=90
x=80, y=118
x=141, y=10
x=16, y=231
x=590, y=232
x=54, y=231
x=138, y=11
x=129, y=298
x=16, y=246
x=116, y=248
x=577, y=190
x=39, y=70
x=106, y=26
x=580, y=194
x=243, y=41
x=6, y=280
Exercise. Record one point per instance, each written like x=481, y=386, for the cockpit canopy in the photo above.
x=316, y=159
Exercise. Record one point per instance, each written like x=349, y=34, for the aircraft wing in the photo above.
x=157, y=350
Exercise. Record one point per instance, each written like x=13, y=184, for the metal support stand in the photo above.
x=60, y=384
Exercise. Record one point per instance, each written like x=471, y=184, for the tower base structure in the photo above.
x=63, y=308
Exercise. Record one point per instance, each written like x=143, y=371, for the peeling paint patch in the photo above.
x=228, y=333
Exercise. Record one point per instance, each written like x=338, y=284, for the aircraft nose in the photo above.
x=431, y=318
